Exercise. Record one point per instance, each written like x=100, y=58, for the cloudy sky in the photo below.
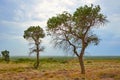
x=17, y=15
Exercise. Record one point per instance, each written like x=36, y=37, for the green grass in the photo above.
x=52, y=59
x=62, y=58
x=60, y=68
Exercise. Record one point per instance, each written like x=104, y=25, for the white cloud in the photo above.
x=18, y=15
x=22, y=25
x=89, y=1
x=113, y=26
x=41, y=10
x=10, y=37
x=38, y=12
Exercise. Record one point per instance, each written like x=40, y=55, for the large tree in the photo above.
x=35, y=33
x=74, y=32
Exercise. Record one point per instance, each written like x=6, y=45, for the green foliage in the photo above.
x=56, y=59
x=5, y=55
x=23, y=60
x=76, y=30
x=34, y=33
x=85, y=19
x=61, y=18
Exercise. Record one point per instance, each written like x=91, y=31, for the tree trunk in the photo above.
x=37, y=62
x=81, y=61
x=82, y=65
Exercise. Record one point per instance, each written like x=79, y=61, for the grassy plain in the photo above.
x=60, y=68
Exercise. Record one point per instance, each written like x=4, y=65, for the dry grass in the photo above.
x=68, y=70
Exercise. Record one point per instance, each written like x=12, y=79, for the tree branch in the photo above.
x=74, y=47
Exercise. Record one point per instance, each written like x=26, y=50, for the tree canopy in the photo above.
x=34, y=33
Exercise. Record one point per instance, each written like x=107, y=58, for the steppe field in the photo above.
x=61, y=68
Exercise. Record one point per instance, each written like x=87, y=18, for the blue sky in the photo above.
x=17, y=15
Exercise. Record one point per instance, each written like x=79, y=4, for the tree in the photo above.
x=5, y=55
x=35, y=33
x=74, y=32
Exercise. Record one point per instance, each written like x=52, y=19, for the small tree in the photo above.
x=35, y=33
x=5, y=55
x=74, y=32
